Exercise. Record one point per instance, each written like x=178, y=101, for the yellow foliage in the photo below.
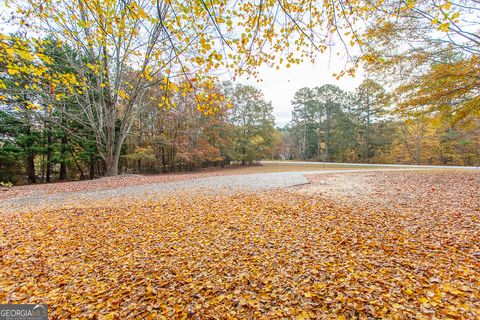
x=274, y=255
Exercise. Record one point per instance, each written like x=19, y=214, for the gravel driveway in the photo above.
x=209, y=185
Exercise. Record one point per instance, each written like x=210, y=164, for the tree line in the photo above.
x=91, y=88
x=45, y=138
x=330, y=124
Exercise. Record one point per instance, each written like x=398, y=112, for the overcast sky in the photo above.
x=279, y=86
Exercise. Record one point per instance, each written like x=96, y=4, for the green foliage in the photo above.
x=41, y=142
x=254, y=124
x=323, y=124
x=57, y=142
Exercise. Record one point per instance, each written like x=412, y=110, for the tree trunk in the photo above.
x=32, y=178
x=327, y=135
x=91, y=173
x=100, y=169
x=63, y=171
x=63, y=148
x=319, y=142
x=164, y=163
x=367, y=131
x=49, y=156
x=113, y=155
x=112, y=167
x=42, y=178
x=82, y=177
x=304, y=132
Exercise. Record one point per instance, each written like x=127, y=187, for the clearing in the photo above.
x=363, y=244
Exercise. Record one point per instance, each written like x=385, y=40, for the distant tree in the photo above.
x=323, y=125
x=371, y=103
x=330, y=101
x=303, y=121
x=254, y=122
x=180, y=138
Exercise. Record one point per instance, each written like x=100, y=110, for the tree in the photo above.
x=448, y=89
x=20, y=134
x=330, y=100
x=428, y=53
x=403, y=36
x=426, y=139
x=180, y=138
x=102, y=59
x=40, y=105
x=371, y=101
x=252, y=116
x=323, y=124
x=122, y=48
x=303, y=116
x=18, y=145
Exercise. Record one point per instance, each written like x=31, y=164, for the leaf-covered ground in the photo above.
x=278, y=254
x=417, y=191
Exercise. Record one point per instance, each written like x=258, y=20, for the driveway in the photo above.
x=210, y=185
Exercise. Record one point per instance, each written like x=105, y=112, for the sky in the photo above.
x=279, y=86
